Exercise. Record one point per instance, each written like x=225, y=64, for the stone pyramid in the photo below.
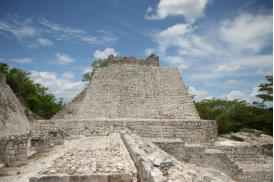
x=135, y=88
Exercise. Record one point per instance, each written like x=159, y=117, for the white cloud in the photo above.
x=253, y=61
x=184, y=40
x=44, y=42
x=226, y=68
x=149, y=9
x=247, y=95
x=248, y=32
x=57, y=86
x=149, y=51
x=235, y=94
x=105, y=53
x=64, y=59
x=19, y=28
x=190, y=9
x=22, y=60
x=73, y=34
x=68, y=75
x=29, y=31
x=177, y=61
x=199, y=94
x=264, y=72
x=233, y=82
x=88, y=70
x=176, y=30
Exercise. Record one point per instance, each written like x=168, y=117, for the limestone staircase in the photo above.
x=253, y=165
x=71, y=108
x=242, y=161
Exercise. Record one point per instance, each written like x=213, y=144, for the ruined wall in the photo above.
x=201, y=131
x=13, y=120
x=13, y=150
x=131, y=89
x=154, y=164
x=152, y=60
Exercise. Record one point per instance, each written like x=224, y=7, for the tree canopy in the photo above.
x=32, y=95
x=266, y=90
x=235, y=115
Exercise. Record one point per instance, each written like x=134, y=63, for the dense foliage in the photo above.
x=232, y=116
x=32, y=95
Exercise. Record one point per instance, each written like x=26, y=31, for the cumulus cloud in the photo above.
x=105, y=53
x=190, y=9
x=44, y=42
x=235, y=94
x=199, y=94
x=182, y=38
x=22, y=60
x=68, y=75
x=149, y=51
x=226, y=68
x=87, y=70
x=247, y=31
x=177, y=61
x=264, y=72
x=248, y=95
x=61, y=88
x=64, y=59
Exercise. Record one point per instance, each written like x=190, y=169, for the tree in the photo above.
x=96, y=64
x=31, y=95
x=232, y=116
x=266, y=90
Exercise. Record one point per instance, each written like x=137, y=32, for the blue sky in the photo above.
x=223, y=48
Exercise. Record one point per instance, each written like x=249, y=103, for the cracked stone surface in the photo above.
x=84, y=156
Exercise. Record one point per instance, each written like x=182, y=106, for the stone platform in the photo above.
x=87, y=158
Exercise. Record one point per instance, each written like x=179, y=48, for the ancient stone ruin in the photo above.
x=134, y=122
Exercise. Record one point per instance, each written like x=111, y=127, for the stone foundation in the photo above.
x=84, y=178
x=40, y=144
x=13, y=150
x=57, y=137
x=154, y=164
x=196, y=131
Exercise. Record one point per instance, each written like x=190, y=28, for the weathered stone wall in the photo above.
x=152, y=60
x=242, y=152
x=71, y=108
x=154, y=164
x=197, y=131
x=242, y=161
x=13, y=120
x=40, y=144
x=13, y=150
x=137, y=91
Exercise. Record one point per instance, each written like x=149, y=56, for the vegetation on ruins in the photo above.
x=96, y=64
x=32, y=95
x=235, y=115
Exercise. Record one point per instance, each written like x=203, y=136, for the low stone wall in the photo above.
x=82, y=178
x=57, y=137
x=196, y=131
x=13, y=150
x=242, y=161
x=40, y=144
x=243, y=153
x=154, y=164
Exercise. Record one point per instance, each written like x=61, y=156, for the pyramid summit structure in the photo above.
x=137, y=88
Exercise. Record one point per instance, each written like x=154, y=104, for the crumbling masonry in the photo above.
x=161, y=136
